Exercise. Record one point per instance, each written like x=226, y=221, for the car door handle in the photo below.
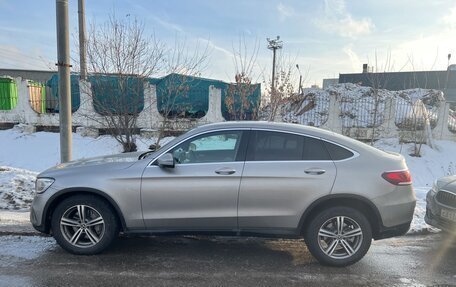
x=225, y=171
x=315, y=171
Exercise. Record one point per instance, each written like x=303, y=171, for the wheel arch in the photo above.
x=66, y=193
x=357, y=202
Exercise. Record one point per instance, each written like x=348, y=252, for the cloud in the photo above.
x=168, y=25
x=12, y=56
x=336, y=19
x=450, y=18
x=354, y=58
x=212, y=45
x=284, y=11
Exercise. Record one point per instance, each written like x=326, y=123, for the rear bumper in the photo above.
x=388, y=232
x=396, y=208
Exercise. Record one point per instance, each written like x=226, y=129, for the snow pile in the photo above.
x=16, y=188
x=364, y=107
x=312, y=109
x=360, y=106
x=414, y=106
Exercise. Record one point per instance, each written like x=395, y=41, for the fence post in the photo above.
x=388, y=127
x=441, y=130
x=214, y=110
x=150, y=117
x=333, y=123
x=86, y=115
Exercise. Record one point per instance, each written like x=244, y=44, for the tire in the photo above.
x=92, y=235
x=335, y=246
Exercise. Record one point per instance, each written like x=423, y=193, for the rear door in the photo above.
x=283, y=174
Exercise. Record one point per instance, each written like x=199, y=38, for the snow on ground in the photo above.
x=23, y=155
x=41, y=150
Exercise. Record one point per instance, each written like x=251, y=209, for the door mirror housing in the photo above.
x=166, y=160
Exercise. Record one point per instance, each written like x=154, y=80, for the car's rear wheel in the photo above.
x=339, y=236
x=84, y=224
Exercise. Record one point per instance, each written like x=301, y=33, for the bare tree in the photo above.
x=284, y=87
x=184, y=64
x=378, y=80
x=120, y=57
x=240, y=97
x=420, y=120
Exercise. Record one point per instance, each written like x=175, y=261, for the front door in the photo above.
x=201, y=191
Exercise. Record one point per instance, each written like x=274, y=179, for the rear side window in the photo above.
x=314, y=149
x=280, y=146
x=337, y=152
x=274, y=146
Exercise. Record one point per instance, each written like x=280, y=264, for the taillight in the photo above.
x=400, y=177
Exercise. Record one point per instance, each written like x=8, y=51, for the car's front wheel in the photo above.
x=339, y=236
x=84, y=224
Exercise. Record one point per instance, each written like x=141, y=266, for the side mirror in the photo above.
x=166, y=160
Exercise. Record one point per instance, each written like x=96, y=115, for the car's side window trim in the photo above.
x=355, y=153
x=243, y=130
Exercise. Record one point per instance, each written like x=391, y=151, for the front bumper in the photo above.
x=433, y=213
x=36, y=222
x=37, y=210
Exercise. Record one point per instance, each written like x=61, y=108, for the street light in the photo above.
x=274, y=45
x=300, y=79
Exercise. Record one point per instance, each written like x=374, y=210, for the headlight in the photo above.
x=41, y=184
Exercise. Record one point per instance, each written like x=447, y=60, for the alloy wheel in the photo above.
x=82, y=226
x=340, y=237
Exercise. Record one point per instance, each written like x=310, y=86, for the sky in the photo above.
x=324, y=38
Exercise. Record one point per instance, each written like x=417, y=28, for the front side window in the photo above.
x=211, y=147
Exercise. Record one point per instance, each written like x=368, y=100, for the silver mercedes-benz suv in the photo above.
x=236, y=178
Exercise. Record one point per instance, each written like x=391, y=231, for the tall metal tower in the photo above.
x=274, y=45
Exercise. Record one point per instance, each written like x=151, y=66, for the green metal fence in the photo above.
x=117, y=94
x=8, y=94
x=52, y=101
x=186, y=96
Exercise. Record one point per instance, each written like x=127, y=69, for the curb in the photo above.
x=16, y=223
x=18, y=229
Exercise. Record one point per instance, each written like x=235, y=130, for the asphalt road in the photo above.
x=426, y=260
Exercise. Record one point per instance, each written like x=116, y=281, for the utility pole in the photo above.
x=82, y=39
x=63, y=62
x=274, y=45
